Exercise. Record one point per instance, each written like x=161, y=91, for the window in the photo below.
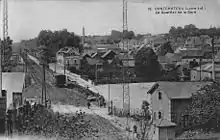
x=75, y=61
x=4, y=92
x=154, y=115
x=159, y=95
x=159, y=115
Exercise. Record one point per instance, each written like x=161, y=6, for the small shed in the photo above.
x=164, y=130
x=13, y=83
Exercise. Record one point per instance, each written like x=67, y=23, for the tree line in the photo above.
x=55, y=40
x=192, y=30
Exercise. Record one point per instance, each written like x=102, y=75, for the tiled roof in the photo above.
x=86, y=55
x=159, y=40
x=108, y=52
x=180, y=90
x=217, y=40
x=217, y=56
x=99, y=54
x=192, y=53
x=68, y=50
x=162, y=59
x=94, y=61
x=107, y=46
x=130, y=63
x=194, y=41
x=174, y=56
x=208, y=67
x=125, y=57
x=164, y=123
x=169, y=58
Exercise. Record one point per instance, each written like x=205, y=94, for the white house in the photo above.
x=168, y=102
x=205, y=72
x=69, y=56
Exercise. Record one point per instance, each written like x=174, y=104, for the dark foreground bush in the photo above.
x=46, y=123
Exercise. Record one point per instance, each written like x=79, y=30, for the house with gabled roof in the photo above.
x=191, y=54
x=194, y=42
x=168, y=102
x=69, y=56
x=109, y=55
x=204, y=72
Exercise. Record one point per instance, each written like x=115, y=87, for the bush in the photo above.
x=44, y=122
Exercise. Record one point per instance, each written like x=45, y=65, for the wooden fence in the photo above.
x=120, y=112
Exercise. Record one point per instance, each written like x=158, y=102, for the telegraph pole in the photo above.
x=44, y=85
x=200, y=61
x=126, y=92
x=4, y=7
x=42, y=91
x=213, y=59
x=64, y=69
x=1, y=68
x=109, y=100
x=96, y=73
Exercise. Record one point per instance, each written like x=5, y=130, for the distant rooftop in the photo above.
x=208, y=67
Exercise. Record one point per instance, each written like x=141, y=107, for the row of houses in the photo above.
x=71, y=56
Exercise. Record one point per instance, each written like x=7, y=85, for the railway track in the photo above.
x=65, y=96
x=56, y=95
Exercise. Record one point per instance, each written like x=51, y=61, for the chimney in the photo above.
x=83, y=35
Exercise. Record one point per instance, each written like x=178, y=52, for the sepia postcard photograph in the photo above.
x=110, y=69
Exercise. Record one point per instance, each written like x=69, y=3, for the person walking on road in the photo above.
x=9, y=123
x=88, y=104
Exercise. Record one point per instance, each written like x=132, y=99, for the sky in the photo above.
x=28, y=17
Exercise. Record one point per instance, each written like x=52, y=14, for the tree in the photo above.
x=165, y=48
x=172, y=30
x=144, y=119
x=193, y=63
x=147, y=65
x=128, y=34
x=205, y=107
x=59, y=39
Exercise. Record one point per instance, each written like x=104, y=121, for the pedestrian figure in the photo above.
x=28, y=108
x=88, y=104
x=9, y=123
x=104, y=104
x=135, y=129
x=100, y=101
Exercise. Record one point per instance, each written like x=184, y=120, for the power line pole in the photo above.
x=109, y=100
x=126, y=92
x=96, y=73
x=42, y=90
x=4, y=37
x=213, y=59
x=1, y=68
x=64, y=69
x=44, y=85
x=200, y=63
